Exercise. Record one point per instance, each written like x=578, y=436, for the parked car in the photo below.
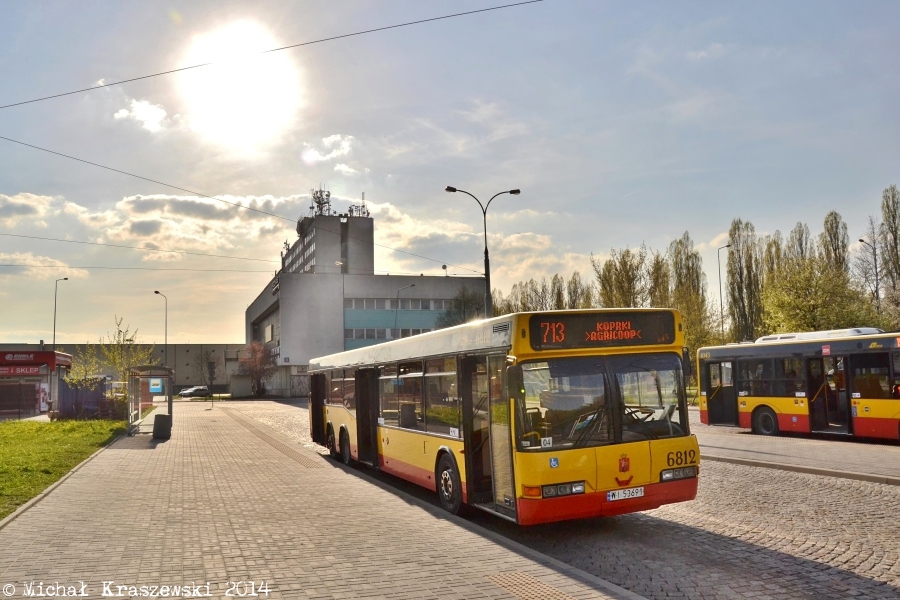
x=198, y=391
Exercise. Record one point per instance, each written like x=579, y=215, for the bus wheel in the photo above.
x=765, y=422
x=330, y=443
x=346, y=458
x=449, y=488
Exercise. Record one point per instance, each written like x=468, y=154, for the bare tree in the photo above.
x=744, y=281
x=799, y=244
x=258, y=363
x=578, y=293
x=864, y=269
x=467, y=306
x=206, y=366
x=834, y=242
x=890, y=236
x=557, y=293
x=659, y=290
x=122, y=351
x=772, y=257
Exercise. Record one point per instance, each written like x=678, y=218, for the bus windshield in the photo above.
x=593, y=401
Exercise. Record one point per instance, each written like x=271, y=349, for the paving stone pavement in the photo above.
x=229, y=500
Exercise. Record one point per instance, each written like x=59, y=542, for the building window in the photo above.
x=379, y=303
x=348, y=303
x=348, y=334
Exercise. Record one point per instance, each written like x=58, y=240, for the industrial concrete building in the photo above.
x=326, y=298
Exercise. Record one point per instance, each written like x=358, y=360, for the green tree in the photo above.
x=622, y=278
x=744, y=281
x=122, y=351
x=466, y=306
x=810, y=295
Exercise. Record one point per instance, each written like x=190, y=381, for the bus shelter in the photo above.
x=29, y=380
x=150, y=386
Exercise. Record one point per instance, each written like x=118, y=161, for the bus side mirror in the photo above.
x=515, y=380
x=687, y=366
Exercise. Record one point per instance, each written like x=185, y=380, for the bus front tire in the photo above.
x=346, y=458
x=765, y=422
x=449, y=488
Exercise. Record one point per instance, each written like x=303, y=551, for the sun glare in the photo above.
x=246, y=102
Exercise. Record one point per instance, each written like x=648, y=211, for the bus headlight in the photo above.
x=562, y=489
x=680, y=473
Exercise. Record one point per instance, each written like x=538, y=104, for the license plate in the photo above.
x=624, y=494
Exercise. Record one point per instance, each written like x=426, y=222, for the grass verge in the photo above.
x=34, y=455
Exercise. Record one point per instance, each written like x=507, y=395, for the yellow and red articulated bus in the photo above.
x=843, y=381
x=534, y=417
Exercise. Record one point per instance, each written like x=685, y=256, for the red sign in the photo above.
x=624, y=464
x=826, y=350
x=13, y=371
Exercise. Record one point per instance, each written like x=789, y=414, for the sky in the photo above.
x=622, y=124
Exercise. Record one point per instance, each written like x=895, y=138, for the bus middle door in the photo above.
x=722, y=398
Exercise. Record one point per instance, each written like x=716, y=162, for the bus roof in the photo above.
x=818, y=335
x=821, y=346
x=484, y=335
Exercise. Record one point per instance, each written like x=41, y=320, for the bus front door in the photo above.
x=476, y=429
x=721, y=400
x=367, y=415
x=487, y=435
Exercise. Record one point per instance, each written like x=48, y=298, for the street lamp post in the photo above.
x=166, y=350
x=50, y=393
x=875, y=259
x=397, y=304
x=488, y=301
x=721, y=304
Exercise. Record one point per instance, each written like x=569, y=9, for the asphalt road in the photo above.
x=752, y=532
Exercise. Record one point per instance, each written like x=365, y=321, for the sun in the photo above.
x=249, y=99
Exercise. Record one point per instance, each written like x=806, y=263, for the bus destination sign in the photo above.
x=593, y=330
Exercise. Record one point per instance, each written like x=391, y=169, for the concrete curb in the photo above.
x=883, y=479
x=22, y=509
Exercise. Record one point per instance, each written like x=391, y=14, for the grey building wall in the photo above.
x=320, y=313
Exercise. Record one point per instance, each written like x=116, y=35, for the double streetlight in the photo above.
x=397, y=302
x=721, y=305
x=488, y=302
x=875, y=258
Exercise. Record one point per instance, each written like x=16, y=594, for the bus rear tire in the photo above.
x=449, y=488
x=330, y=442
x=765, y=422
x=345, y=455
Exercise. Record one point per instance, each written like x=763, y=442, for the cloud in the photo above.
x=334, y=146
x=38, y=267
x=714, y=50
x=150, y=116
x=24, y=208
